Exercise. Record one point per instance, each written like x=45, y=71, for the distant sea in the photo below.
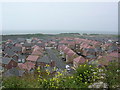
x=58, y=32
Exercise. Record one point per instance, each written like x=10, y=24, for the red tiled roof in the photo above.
x=108, y=44
x=36, y=48
x=26, y=66
x=35, y=52
x=66, y=49
x=99, y=57
x=63, y=47
x=79, y=59
x=22, y=66
x=90, y=47
x=63, y=41
x=35, y=39
x=71, y=53
x=108, y=58
x=30, y=64
x=52, y=42
x=39, y=41
x=32, y=58
x=114, y=54
x=18, y=45
x=71, y=43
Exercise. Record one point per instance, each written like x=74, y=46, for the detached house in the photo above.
x=21, y=40
x=43, y=61
x=21, y=58
x=27, y=48
x=18, y=45
x=17, y=50
x=37, y=53
x=70, y=55
x=89, y=52
x=32, y=58
x=77, y=61
x=14, y=72
x=8, y=63
x=10, y=53
x=111, y=57
x=27, y=66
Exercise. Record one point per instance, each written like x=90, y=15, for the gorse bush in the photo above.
x=87, y=73
x=84, y=76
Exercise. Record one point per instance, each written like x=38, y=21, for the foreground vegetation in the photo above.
x=84, y=76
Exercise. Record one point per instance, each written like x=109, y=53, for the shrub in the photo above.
x=113, y=75
x=84, y=76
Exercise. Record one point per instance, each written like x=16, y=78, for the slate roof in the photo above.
x=16, y=49
x=21, y=56
x=9, y=44
x=40, y=44
x=44, y=59
x=6, y=50
x=6, y=60
x=91, y=56
x=13, y=72
x=10, y=53
x=98, y=49
x=91, y=50
x=27, y=45
x=21, y=39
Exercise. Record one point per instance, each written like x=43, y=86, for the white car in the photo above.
x=67, y=67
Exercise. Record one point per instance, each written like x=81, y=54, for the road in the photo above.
x=53, y=55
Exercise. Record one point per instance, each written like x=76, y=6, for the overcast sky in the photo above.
x=101, y=17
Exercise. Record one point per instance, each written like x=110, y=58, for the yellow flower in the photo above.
x=86, y=60
x=38, y=71
x=85, y=65
x=48, y=73
x=46, y=70
x=80, y=75
x=56, y=87
x=72, y=77
x=54, y=69
x=58, y=72
x=45, y=80
x=47, y=65
x=38, y=68
x=90, y=66
x=85, y=82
